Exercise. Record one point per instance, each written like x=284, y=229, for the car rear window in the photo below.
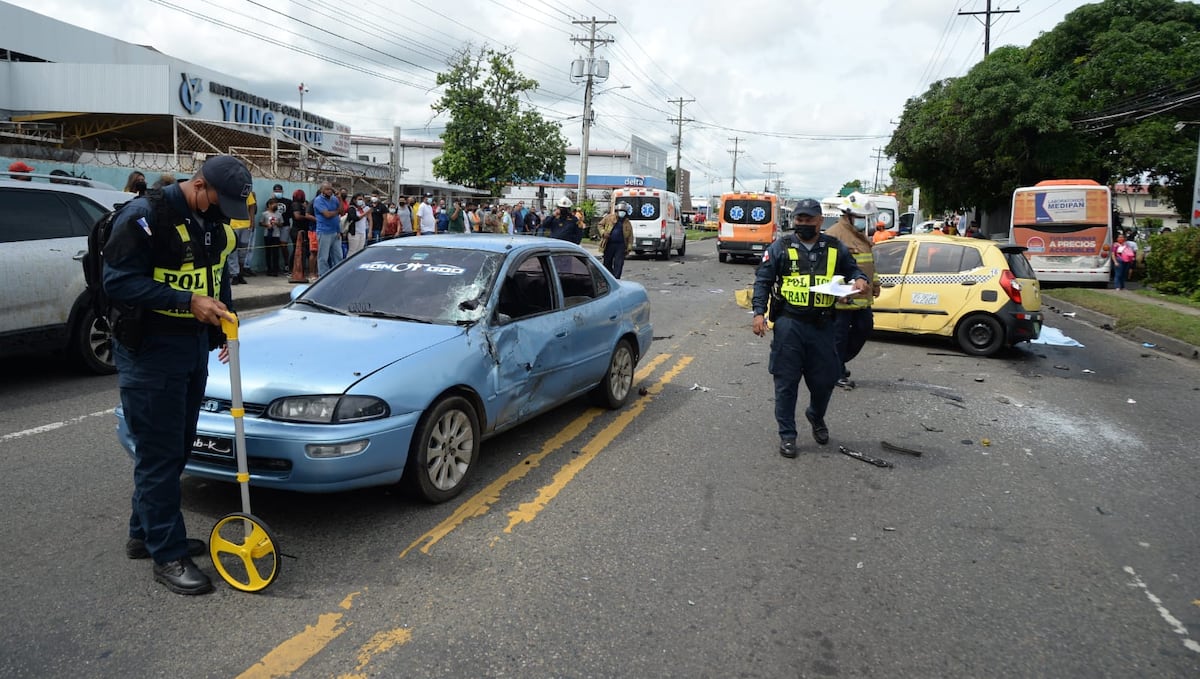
x=1019, y=265
x=439, y=285
x=747, y=212
x=936, y=257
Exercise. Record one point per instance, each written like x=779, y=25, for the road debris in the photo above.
x=889, y=529
x=696, y=387
x=878, y=462
x=1061, y=367
x=1069, y=314
x=1130, y=401
x=1085, y=371
x=900, y=449
x=929, y=428
x=642, y=391
x=1148, y=345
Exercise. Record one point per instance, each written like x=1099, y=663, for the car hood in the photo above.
x=293, y=351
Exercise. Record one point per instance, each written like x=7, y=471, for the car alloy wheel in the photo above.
x=613, y=390
x=444, y=450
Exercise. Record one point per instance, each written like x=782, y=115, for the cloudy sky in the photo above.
x=810, y=88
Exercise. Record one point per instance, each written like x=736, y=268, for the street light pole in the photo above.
x=588, y=69
x=302, y=136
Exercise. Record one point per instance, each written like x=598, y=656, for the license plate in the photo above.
x=213, y=445
x=756, y=247
x=648, y=241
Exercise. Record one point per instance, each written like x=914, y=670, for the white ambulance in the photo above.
x=656, y=218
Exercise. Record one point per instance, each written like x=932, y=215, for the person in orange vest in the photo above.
x=853, y=318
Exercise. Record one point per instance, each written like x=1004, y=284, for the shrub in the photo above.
x=1173, y=263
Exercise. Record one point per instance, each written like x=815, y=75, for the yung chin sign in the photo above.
x=260, y=113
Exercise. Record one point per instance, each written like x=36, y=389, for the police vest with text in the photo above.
x=803, y=272
x=191, y=261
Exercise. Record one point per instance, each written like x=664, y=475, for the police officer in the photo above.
x=165, y=264
x=803, y=345
x=564, y=225
x=854, y=319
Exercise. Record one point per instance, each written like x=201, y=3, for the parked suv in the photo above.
x=44, y=223
x=983, y=294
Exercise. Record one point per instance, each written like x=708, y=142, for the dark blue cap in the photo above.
x=232, y=182
x=809, y=207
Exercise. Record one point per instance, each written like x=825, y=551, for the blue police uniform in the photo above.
x=155, y=258
x=803, y=345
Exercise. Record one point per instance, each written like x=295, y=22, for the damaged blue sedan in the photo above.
x=399, y=362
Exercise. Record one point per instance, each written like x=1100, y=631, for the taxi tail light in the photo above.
x=1012, y=286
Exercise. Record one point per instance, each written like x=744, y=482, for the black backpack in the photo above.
x=93, y=259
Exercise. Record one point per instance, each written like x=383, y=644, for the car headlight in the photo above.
x=329, y=409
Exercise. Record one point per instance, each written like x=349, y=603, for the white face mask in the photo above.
x=374, y=199
x=621, y=213
x=361, y=203
x=392, y=210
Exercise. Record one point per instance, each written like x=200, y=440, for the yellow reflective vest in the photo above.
x=186, y=274
x=794, y=287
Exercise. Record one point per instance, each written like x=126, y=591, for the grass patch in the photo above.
x=693, y=234
x=1130, y=315
x=1175, y=299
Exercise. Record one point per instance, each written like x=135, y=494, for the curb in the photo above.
x=1139, y=334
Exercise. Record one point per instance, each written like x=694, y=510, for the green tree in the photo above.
x=1019, y=116
x=852, y=186
x=490, y=140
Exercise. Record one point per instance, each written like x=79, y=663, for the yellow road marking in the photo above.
x=480, y=503
x=293, y=653
x=527, y=511
x=380, y=643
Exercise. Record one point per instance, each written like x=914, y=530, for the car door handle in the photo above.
x=562, y=332
x=78, y=256
x=887, y=285
x=968, y=282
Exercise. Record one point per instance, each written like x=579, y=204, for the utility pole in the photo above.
x=987, y=23
x=767, y=186
x=734, y=152
x=878, y=157
x=679, y=134
x=589, y=69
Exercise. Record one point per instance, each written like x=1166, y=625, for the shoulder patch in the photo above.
x=766, y=256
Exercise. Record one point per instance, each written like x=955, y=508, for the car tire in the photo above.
x=665, y=253
x=91, y=344
x=683, y=245
x=613, y=391
x=444, y=450
x=980, y=335
x=723, y=257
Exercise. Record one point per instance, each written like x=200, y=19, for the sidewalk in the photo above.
x=262, y=291
x=1160, y=341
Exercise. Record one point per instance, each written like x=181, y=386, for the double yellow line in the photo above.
x=293, y=653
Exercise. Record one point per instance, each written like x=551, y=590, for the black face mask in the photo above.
x=139, y=186
x=806, y=232
x=213, y=214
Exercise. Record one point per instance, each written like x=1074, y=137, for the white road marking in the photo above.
x=53, y=425
x=1176, y=626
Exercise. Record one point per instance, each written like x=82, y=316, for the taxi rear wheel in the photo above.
x=980, y=335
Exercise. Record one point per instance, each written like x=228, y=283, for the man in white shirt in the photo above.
x=426, y=218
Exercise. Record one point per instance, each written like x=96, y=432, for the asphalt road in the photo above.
x=668, y=539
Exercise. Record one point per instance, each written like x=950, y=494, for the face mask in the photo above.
x=807, y=232
x=360, y=203
x=621, y=213
x=392, y=210
x=213, y=214
x=374, y=199
x=139, y=186
x=860, y=224
x=279, y=194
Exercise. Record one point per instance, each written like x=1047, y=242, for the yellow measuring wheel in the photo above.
x=241, y=546
x=244, y=552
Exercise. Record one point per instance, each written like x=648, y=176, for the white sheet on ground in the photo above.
x=1055, y=337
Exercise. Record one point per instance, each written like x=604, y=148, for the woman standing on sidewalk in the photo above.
x=1123, y=254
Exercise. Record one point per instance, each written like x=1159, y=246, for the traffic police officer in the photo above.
x=165, y=264
x=803, y=345
x=854, y=319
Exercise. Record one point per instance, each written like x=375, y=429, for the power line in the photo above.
x=679, y=134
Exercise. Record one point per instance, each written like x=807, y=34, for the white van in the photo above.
x=655, y=216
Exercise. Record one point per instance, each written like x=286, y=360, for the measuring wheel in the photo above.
x=244, y=552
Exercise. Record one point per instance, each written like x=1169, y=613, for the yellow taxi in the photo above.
x=983, y=294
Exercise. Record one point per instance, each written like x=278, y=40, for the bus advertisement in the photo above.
x=1066, y=228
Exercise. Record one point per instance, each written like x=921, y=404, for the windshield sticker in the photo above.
x=925, y=298
x=758, y=214
x=420, y=256
x=414, y=267
x=647, y=210
x=736, y=213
